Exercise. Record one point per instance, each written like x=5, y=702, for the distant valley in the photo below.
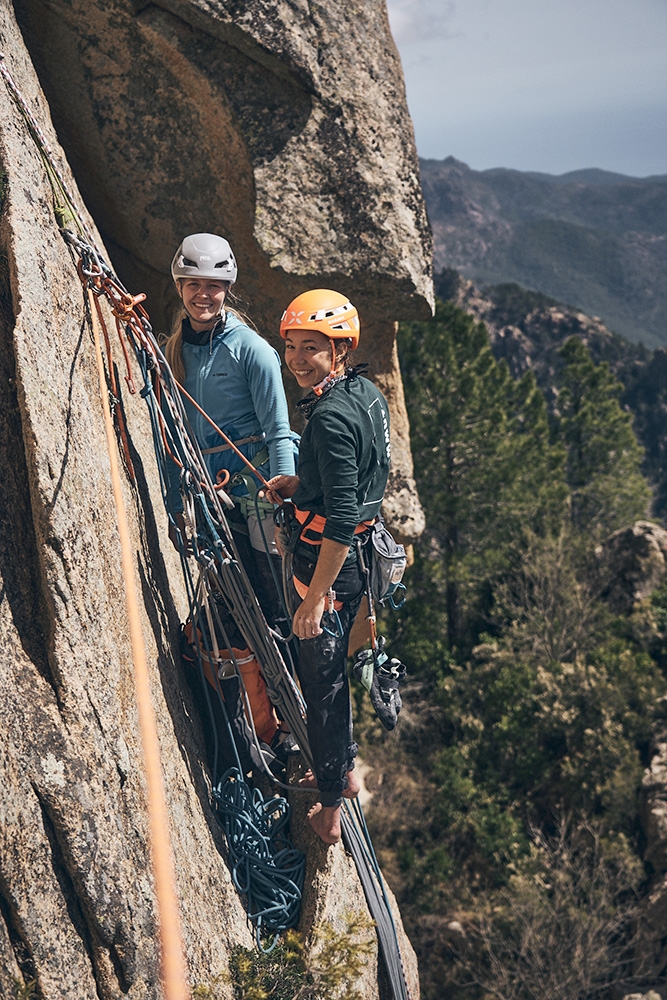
x=593, y=239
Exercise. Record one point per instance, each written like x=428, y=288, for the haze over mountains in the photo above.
x=593, y=239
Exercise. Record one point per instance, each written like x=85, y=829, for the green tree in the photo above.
x=483, y=459
x=604, y=458
x=528, y=698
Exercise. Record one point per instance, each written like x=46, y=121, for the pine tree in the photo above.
x=603, y=455
x=486, y=468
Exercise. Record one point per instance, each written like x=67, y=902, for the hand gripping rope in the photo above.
x=265, y=867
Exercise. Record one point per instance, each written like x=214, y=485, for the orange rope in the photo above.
x=222, y=434
x=174, y=980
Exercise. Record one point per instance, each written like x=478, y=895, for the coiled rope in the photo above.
x=265, y=865
x=248, y=820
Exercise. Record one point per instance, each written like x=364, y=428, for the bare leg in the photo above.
x=351, y=792
x=325, y=821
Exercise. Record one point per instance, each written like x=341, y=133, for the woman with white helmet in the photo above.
x=343, y=469
x=232, y=372
x=235, y=377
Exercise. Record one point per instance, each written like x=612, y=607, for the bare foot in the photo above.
x=353, y=786
x=325, y=821
x=351, y=792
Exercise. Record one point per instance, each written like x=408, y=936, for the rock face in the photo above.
x=637, y=557
x=77, y=908
x=281, y=124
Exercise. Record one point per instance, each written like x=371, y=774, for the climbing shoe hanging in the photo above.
x=381, y=677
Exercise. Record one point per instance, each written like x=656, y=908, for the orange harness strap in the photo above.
x=302, y=589
x=313, y=526
x=311, y=532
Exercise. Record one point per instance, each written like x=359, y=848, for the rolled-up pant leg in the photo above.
x=324, y=682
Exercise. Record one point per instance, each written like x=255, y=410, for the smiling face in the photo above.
x=308, y=356
x=203, y=300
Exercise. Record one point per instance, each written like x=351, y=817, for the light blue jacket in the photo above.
x=235, y=377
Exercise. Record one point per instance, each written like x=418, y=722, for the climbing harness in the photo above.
x=265, y=866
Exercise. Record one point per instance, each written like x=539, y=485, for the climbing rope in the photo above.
x=265, y=867
x=173, y=961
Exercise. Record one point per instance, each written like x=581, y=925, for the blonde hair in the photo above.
x=173, y=344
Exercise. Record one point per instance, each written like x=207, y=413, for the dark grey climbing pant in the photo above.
x=322, y=668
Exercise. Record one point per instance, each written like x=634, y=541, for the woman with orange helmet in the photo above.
x=343, y=468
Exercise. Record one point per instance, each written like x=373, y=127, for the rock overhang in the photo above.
x=283, y=125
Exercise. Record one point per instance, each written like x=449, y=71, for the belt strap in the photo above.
x=228, y=447
x=243, y=476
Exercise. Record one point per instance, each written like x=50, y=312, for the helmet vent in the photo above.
x=222, y=263
x=189, y=263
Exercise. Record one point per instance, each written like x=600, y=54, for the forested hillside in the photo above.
x=528, y=330
x=505, y=808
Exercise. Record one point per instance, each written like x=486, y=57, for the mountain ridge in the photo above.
x=590, y=238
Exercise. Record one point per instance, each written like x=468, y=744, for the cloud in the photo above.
x=417, y=20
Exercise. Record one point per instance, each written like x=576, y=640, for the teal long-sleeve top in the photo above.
x=344, y=457
x=235, y=376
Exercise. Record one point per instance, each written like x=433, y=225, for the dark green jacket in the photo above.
x=344, y=457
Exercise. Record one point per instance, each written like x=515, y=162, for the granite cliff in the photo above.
x=275, y=123
x=304, y=159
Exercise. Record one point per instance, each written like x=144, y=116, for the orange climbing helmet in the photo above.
x=323, y=310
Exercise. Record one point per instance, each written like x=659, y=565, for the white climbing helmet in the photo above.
x=204, y=255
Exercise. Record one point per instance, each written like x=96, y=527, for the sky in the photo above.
x=546, y=85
